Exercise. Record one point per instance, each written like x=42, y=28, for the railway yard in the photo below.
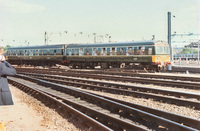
x=100, y=65
x=110, y=99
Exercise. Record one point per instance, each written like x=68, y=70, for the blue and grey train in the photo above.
x=145, y=53
x=190, y=56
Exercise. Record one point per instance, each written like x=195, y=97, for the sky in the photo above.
x=24, y=22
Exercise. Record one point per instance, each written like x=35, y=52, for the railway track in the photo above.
x=68, y=105
x=190, y=84
x=145, y=75
x=116, y=73
x=135, y=91
x=132, y=115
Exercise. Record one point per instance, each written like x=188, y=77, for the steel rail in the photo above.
x=46, y=98
x=122, y=110
x=121, y=86
x=178, y=84
x=183, y=78
x=176, y=101
x=174, y=117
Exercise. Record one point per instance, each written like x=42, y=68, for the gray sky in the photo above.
x=24, y=21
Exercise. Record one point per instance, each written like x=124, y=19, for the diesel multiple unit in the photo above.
x=149, y=54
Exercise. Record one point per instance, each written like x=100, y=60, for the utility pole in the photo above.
x=169, y=36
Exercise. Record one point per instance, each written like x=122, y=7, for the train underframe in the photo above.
x=89, y=65
x=107, y=65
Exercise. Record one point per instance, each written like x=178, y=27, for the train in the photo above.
x=149, y=54
x=189, y=56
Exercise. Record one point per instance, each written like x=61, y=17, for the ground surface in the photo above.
x=27, y=114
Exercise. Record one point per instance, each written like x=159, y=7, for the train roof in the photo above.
x=109, y=44
x=38, y=47
x=112, y=44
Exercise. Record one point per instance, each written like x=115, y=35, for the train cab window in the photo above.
x=159, y=49
x=166, y=50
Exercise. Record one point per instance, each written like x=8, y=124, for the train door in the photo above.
x=108, y=51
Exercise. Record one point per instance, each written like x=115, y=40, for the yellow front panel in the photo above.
x=161, y=58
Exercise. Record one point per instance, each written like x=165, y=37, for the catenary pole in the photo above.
x=169, y=35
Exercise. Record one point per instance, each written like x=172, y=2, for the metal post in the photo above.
x=198, y=51
x=169, y=36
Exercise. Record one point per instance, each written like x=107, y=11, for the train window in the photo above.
x=70, y=52
x=76, y=51
x=25, y=53
x=81, y=52
x=159, y=49
x=88, y=51
x=48, y=52
x=141, y=50
x=166, y=50
x=94, y=52
x=121, y=51
x=150, y=51
x=130, y=51
x=31, y=53
x=37, y=52
x=41, y=52
x=103, y=51
x=99, y=51
x=16, y=53
x=73, y=52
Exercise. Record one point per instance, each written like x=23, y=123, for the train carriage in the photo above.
x=36, y=55
x=146, y=53
x=149, y=54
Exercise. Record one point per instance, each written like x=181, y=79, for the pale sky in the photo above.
x=25, y=21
